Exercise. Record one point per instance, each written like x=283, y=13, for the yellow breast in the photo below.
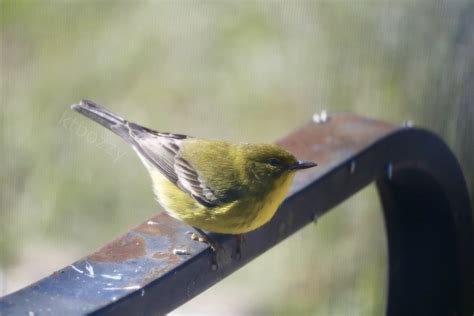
x=268, y=205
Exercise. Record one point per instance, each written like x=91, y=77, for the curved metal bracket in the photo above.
x=156, y=267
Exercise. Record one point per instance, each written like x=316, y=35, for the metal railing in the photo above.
x=156, y=267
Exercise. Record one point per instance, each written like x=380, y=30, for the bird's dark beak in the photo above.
x=302, y=164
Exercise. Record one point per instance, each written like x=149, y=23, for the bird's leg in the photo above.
x=239, y=239
x=203, y=237
x=211, y=242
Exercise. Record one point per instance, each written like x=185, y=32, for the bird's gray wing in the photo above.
x=162, y=150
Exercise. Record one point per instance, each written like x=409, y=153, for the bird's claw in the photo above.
x=205, y=239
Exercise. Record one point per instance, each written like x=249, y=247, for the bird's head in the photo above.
x=269, y=162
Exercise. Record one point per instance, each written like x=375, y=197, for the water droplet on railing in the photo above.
x=181, y=252
x=320, y=117
x=352, y=167
x=389, y=171
x=407, y=123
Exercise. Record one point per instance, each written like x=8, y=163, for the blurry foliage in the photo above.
x=218, y=70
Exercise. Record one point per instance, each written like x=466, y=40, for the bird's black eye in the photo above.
x=274, y=162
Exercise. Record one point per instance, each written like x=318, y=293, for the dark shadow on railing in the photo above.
x=156, y=267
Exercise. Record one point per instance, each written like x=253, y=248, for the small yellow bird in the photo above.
x=211, y=185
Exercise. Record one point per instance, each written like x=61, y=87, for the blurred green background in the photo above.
x=240, y=71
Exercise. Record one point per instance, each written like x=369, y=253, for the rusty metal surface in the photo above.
x=156, y=266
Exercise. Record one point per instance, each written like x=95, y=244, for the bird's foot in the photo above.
x=195, y=236
x=204, y=238
x=201, y=236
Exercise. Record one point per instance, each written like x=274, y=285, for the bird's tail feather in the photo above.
x=105, y=118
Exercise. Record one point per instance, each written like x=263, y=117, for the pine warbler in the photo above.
x=211, y=185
